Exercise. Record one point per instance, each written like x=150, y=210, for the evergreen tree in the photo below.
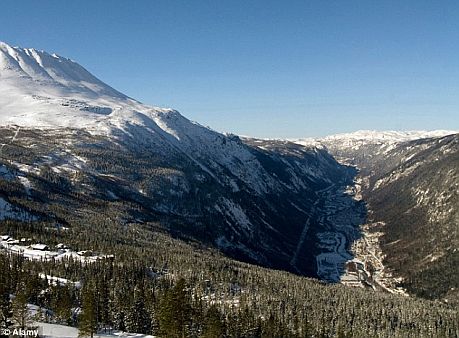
x=175, y=311
x=118, y=305
x=88, y=316
x=104, y=303
x=138, y=319
x=33, y=286
x=5, y=303
x=21, y=315
x=214, y=326
x=62, y=304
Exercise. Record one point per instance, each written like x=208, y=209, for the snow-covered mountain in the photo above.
x=42, y=90
x=39, y=90
x=48, y=74
x=366, y=146
x=85, y=138
x=363, y=137
x=387, y=136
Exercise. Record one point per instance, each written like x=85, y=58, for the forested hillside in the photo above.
x=418, y=200
x=155, y=284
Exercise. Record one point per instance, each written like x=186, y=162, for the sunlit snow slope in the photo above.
x=42, y=90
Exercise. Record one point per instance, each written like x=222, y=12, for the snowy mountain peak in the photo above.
x=32, y=71
x=38, y=89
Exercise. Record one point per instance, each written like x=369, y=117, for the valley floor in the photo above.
x=359, y=263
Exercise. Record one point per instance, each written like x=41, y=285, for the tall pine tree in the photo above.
x=62, y=304
x=214, y=326
x=88, y=316
x=5, y=303
x=138, y=319
x=175, y=311
x=21, y=315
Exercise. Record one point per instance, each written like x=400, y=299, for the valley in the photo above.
x=395, y=171
x=120, y=216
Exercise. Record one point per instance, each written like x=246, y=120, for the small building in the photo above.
x=85, y=253
x=4, y=237
x=11, y=241
x=17, y=249
x=40, y=247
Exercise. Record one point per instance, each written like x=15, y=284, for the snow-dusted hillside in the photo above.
x=414, y=190
x=42, y=90
x=367, y=149
x=39, y=90
x=387, y=136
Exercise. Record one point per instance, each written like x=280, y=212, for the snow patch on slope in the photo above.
x=61, y=331
x=235, y=212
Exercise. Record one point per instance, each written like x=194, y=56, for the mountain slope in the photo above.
x=417, y=198
x=78, y=143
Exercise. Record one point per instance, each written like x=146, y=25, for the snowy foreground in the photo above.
x=62, y=331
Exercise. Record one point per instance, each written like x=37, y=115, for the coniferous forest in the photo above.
x=159, y=285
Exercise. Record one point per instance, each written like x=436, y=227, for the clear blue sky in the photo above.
x=263, y=68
